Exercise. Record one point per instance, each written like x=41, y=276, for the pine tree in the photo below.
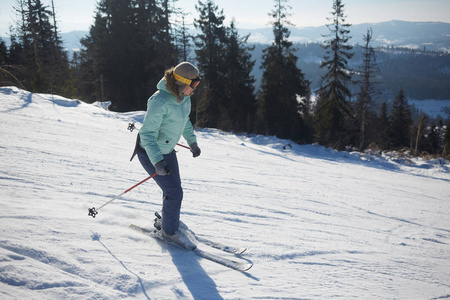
x=88, y=65
x=183, y=41
x=126, y=52
x=282, y=85
x=333, y=105
x=239, y=88
x=166, y=50
x=210, y=47
x=367, y=93
x=180, y=33
x=400, y=122
x=420, y=130
x=37, y=48
x=446, y=151
x=431, y=141
x=382, y=128
x=6, y=77
x=3, y=52
x=15, y=67
x=3, y=61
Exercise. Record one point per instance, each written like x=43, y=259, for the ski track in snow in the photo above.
x=318, y=223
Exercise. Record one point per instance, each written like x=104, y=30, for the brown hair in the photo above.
x=171, y=82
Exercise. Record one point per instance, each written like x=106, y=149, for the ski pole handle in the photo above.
x=93, y=212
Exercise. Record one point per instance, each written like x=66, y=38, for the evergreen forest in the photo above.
x=340, y=102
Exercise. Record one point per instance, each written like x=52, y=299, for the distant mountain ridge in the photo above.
x=415, y=35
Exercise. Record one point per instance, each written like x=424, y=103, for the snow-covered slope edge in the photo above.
x=319, y=224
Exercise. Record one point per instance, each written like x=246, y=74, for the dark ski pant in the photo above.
x=171, y=188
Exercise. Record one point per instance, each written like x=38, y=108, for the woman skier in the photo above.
x=166, y=120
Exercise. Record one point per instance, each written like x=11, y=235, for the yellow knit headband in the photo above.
x=182, y=79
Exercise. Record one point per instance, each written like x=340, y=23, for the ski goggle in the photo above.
x=193, y=83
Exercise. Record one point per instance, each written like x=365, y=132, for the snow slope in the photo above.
x=318, y=224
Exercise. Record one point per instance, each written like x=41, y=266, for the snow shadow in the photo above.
x=96, y=237
x=25, y=97
x=281, y=148
x=64, y=102
x=198, y=282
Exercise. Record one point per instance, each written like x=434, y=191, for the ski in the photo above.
x=217, y=245
x=236, y=265
x=213, y=244
x=230, y=263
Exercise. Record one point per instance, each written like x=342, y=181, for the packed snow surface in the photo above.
x=318, y=224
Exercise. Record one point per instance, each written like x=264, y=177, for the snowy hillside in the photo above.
x=318, y=224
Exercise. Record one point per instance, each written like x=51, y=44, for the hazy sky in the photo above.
x=78, y=14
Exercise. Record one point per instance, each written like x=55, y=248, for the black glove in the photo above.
x=195, y=150
x=162, y=168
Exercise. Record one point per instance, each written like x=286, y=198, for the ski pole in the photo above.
x=132, y=127
x=183, y=146
x=93, y=212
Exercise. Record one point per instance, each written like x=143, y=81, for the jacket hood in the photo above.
x=162, y=87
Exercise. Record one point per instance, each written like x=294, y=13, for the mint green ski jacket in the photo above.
x=165, y=122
